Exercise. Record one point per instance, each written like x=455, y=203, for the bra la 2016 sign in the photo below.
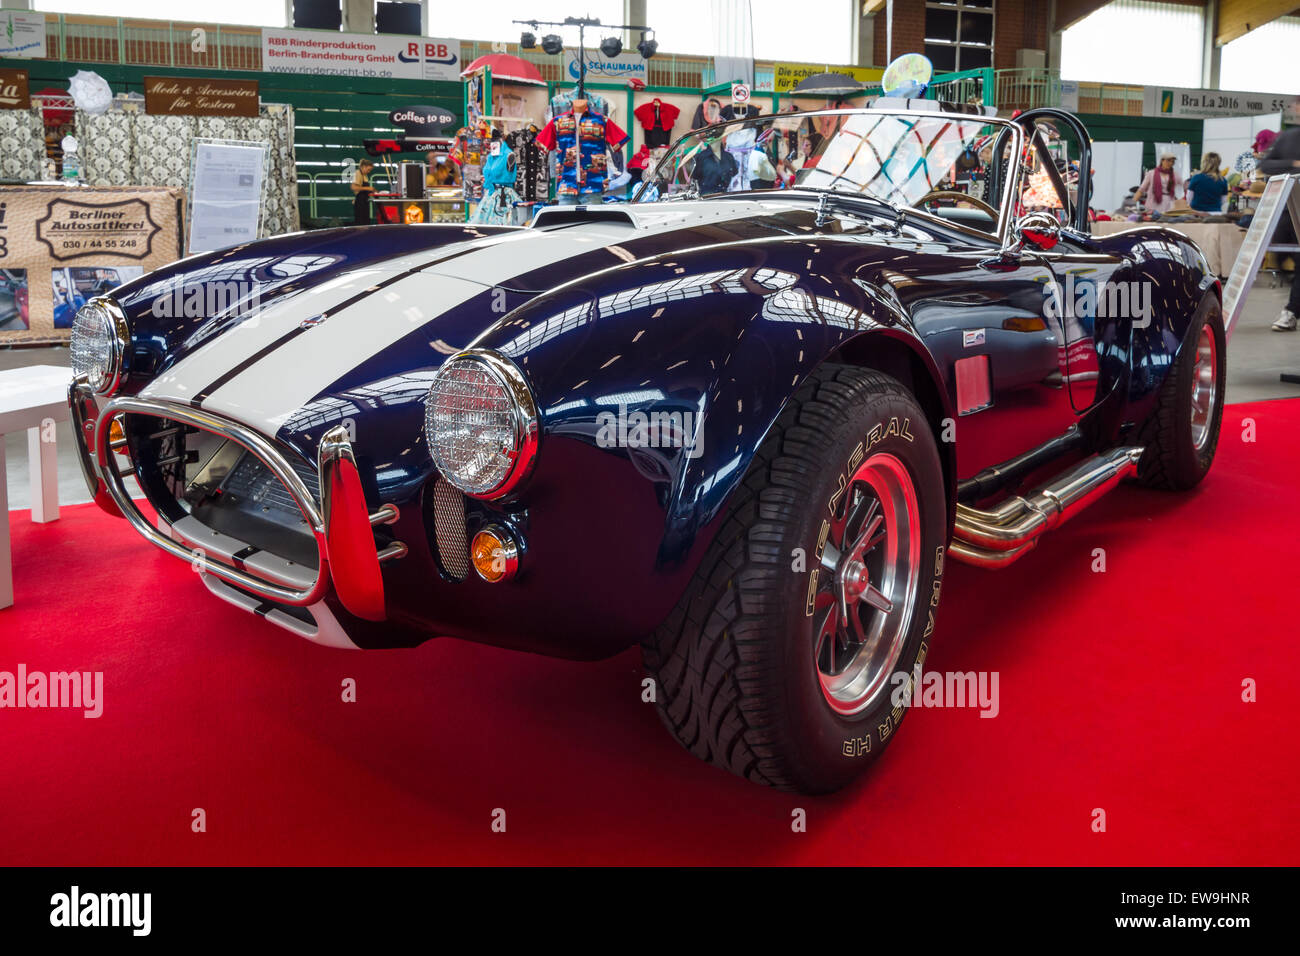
x=1198, y=104
x=187, y=96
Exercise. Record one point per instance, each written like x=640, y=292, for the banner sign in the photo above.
x=1199, y=104
x=360, y=54
x=13, y=90
x=786, y=76
x=22, y=34
x=188, y=96
x=625, y=66
x=59, y=247
x=422, y=120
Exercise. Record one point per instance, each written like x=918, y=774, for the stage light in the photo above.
x=611, y=47
x=647, y=48
x=527, y=41
x=552, y=44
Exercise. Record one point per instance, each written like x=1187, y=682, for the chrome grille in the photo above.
x=253, y=482
x=449, y=527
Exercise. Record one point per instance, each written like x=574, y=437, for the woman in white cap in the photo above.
x=1157, y=190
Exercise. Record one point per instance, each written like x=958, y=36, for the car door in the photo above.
x=985, y=320
x=1095, y=299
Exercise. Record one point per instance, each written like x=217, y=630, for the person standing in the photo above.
x=1284, y=157
x=1158, y=189
x=1207, y=188
x=362, y=192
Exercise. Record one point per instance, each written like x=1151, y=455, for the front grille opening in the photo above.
x=445, y=505
x=190, y=472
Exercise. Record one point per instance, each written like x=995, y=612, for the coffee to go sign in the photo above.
x=199, y=96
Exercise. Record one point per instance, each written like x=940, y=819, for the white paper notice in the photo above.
x=226, y=194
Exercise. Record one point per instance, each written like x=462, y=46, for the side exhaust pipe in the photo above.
x=995, y=538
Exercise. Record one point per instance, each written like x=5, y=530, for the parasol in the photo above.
x=513, y=69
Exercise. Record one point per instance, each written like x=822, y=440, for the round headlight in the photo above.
x=481, y=423
x=97, y=345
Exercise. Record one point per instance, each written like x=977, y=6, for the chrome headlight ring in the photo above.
x=115, y=333
x=479, y=397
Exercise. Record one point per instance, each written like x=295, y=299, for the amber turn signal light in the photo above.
x=494, y=554
x=116, y=435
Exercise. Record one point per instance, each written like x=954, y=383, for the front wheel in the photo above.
x=788, y=661
x=1182, y=432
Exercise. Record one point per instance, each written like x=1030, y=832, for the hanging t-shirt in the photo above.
x=731, y=112
x=707, y=113
x=582, y=144
x=498, y=166
x=531, y=177
x=656, y=118
x=714, y=173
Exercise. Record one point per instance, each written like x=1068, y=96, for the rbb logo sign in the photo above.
x=436, y=51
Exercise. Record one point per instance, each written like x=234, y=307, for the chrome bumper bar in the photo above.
x=342, y=527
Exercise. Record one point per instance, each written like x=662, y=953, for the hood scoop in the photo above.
x=573, y=215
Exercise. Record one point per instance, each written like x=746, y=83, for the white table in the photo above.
x=34, y=398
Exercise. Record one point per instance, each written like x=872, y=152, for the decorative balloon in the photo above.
x=908, y=76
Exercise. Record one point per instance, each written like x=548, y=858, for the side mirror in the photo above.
x=1037, y=229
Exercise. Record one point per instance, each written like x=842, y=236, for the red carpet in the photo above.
x=1119, y=690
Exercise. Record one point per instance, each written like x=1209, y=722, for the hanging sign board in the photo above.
x=60, y=246
x=13, y=90
x=199, y=96
x=1279, y=194
x=225, y=193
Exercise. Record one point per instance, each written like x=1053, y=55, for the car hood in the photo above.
x=377, y=319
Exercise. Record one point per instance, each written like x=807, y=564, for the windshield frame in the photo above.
x=1005, y=209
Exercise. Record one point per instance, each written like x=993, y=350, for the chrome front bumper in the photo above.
x=341, y=525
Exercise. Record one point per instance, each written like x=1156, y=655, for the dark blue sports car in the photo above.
x=742, y=422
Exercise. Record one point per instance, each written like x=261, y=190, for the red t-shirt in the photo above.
x=645, y=114
x=548, y=138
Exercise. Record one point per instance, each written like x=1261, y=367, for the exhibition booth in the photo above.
x=100, y=188
x=460, y=468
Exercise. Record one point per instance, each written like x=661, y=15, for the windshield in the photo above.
x=902, y=158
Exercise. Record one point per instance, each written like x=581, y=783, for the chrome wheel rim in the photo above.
x=1205, y=386
x=867, y=582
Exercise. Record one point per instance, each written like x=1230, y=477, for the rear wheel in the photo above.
x=789, y=657
x=1182, y=433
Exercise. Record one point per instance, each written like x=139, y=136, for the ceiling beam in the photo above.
x=1070, y=12
x=1239, y=17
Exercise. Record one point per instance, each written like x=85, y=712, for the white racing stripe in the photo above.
x=272, y=389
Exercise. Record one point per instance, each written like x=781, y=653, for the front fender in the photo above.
x=658, y=381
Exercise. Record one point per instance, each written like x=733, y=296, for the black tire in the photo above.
x=1172, y=460
x=738, y=681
